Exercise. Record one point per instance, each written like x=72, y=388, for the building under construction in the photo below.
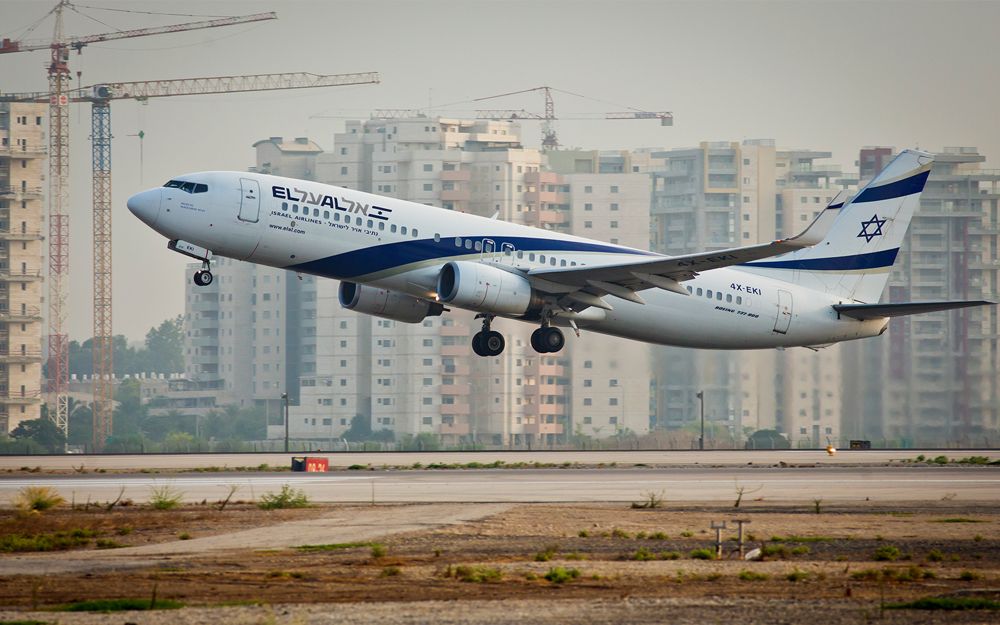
x=22, y=167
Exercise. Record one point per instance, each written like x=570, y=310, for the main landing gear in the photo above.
x=487, y=342
x=203, y=277
x=547, y=340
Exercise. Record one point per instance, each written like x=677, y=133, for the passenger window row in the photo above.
x=358, y=221
x=714, y=294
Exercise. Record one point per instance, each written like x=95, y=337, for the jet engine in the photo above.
x=484, y=288
x=385, y=303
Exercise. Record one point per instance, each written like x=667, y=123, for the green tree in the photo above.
x=165, y=346
x=42, y=431
x=360, y=430
x=767, y=439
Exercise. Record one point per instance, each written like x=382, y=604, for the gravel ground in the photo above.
x=519, y=612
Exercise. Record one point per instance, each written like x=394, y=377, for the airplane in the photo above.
x=407, y=261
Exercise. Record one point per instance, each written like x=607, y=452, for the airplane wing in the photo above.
x=588, y=284
x=864, y=312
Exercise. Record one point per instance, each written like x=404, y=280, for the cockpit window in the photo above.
x=187, y=187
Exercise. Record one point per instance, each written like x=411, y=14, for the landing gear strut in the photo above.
x=487, y=342
x=547, y=340
x=203, y=277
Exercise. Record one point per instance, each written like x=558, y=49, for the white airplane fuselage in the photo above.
x=402, y=246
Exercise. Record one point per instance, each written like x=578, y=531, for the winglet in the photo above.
x=820, y=227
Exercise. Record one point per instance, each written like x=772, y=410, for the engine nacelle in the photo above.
x=385, y=303
x=484, y=288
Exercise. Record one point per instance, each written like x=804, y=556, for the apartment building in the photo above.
x=727, y=194
x=22, y=222
x=931, y=380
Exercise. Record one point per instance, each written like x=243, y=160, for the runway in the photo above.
x=683, y=484
x=176, y=462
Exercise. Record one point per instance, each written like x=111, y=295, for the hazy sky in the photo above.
x=820, y=75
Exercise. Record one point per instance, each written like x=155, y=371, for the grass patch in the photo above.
x=957, y=520
x=969, y=576
x=947, y=603
x=934, y=555
x=390, y=571
x=474, y=574
x=332, y=546
x=107, y=543
x=643, y=555
x=887, y=574
x=702, y=554
x=886, y=553
x=164, y=498
x=379, y=550
x=119, y=605
x=774, y=551
x=560, y=575
x=796, y=575
x=55, y=541
x=37, y=498
x=801, y=550
x=619, y=533
x=287, y=497
x=658, y=536
x=752, y=576
x=583, y=534
x=802, y=539
x=669, y=555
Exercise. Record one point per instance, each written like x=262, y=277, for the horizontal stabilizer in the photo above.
x=877, y=311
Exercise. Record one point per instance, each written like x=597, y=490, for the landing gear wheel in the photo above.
x=551, y=340
x=203, y=277
x=477, y=344
x=536, y=341
x=493, y=343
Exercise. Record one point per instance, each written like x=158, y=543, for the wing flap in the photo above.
x=678, y=268
x=864, y=312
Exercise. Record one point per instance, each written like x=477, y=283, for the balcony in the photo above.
x=25, y=356
x=462, y=369
x=552, y=389
x=547, y=197
x=26, y=276
x=552, y=217
x=552, y=410
x=22, y=151
x=454, y=429
x=556, y=371
x=455, y=329
x=17, y=193
x=460, y=349
x=458, y=175
x=543, y=428
x=23, y=234
x=455, y=195
x=458, y=408
x=454, y=389
x=27, y=314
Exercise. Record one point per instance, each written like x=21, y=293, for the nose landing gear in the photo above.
x=203, y=277
x=487, y=342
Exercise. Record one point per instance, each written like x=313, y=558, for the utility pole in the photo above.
x=701, y=439
x=284, y=397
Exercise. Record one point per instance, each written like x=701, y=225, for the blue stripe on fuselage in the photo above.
x=900, y=188
x=872, y=260
x=381, y=257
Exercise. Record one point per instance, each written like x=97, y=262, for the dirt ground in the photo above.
x=619, y=565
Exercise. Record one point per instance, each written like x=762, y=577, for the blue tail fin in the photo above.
x=854, y=259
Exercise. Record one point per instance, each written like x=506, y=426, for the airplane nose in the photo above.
x=145, y=205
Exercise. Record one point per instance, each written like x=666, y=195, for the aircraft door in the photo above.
x=249, y=200
x=784, y=318
x=507, y=252
x=489, y=250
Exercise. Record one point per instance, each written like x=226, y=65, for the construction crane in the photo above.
x=59, y=80
x=549, y=139
x=100, y=97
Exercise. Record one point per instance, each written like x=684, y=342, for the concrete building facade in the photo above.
x=22, y=261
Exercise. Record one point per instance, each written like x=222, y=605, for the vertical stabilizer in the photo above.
x=854, y=259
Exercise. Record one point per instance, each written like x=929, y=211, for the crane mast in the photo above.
x=59, y=97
